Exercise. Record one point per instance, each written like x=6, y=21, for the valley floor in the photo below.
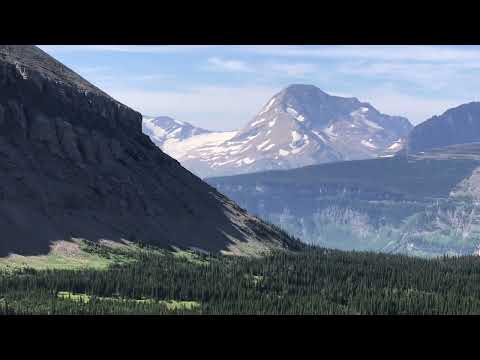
x=139, y=280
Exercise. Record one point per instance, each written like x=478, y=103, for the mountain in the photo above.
x=191, y=145
x=74, y=163
x=163, y=130
x=299, y=126
x=426, y=204
x=459, y=125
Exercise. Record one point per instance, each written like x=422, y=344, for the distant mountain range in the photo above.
x=299, y=126
x=425, y=201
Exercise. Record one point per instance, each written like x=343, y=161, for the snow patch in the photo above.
x=282, y=152
x=216, y=164
x=319, y=135
x=272, y=123
x=209, y=143
x=292, y=111
x=372, y=124
x=269, y=105
x=252, y=136
x=157, y=132
x=263, y=144
x=246, y=161
x=257, y=122
x=368, y=144
x=269, y=147
x=329, y=131
x=173, y=133
x=296, y=136
x=396, y=145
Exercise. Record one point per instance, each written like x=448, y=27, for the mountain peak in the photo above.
x=458, y=125
x=303, y=87
x=301, y=125
x=301, y=91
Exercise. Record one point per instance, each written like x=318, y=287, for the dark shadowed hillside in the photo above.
x=458, y=125
x=74, y=163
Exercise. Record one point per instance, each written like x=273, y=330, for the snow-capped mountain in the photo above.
x=164, y=129
x=192, y=146
x=299, y=126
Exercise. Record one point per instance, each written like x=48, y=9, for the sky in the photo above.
x=223, y=87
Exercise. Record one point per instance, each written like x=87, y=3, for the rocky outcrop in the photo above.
x=74, y=163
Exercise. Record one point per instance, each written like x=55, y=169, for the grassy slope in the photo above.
x=80, y=254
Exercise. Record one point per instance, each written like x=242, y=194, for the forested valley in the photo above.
x=310, y=281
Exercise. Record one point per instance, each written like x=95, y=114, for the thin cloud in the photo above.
x=265, y=69
x=430, y=76
x=216, y=63
x=295, y=70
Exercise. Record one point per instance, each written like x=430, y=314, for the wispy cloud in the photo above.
x=265, y=69
x=216, y=63
x=430, y=76
x=295, y=70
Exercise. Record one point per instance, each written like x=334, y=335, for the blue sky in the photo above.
x=223, y=87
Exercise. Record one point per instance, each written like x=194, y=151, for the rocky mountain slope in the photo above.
x=459, y=125
x=75, y=163
x=425, y=204
x=299, y=126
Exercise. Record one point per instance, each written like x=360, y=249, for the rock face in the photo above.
x=74, y=163
x=299, y=126
x=459, y=125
